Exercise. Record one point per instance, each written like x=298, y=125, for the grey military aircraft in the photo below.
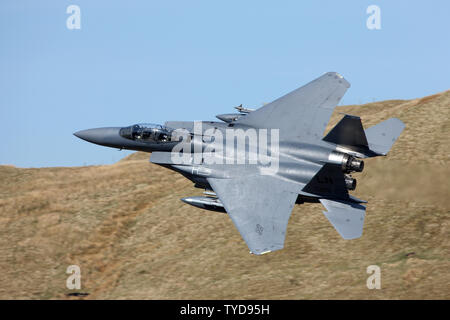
x=259, y=196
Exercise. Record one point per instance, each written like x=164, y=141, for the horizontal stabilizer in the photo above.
x=346, y=217
x=382, y=136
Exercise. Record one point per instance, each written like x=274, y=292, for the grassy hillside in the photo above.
x=125, y=226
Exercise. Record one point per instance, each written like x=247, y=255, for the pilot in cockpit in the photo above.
x=147, y=133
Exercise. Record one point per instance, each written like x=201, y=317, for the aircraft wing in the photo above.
x=259, y=206
x=304, y=113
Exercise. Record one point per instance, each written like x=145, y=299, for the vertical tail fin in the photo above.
x=348, y=132
x=375, y=141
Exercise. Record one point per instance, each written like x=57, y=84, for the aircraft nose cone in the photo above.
x=101, y=136
x=92, y=135
x=85, y=134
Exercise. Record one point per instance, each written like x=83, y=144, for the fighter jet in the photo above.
x=298, y=163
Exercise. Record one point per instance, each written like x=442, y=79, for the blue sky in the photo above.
x=152, y=61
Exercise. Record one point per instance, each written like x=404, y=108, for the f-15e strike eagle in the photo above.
x=258, y=195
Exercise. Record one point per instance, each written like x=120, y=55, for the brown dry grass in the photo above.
x=124, y=225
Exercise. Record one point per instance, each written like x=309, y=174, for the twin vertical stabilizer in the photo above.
x=372, y=142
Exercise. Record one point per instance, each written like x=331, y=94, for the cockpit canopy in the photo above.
x=147, y=132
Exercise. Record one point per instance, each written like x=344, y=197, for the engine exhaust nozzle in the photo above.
x=348, y=162
x=350, y=182
x=355, y=164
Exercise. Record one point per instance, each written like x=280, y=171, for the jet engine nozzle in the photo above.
x=350, y=182
x=348, y=162
x=355, y=164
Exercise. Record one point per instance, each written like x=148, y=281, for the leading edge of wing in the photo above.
x=259, y=207
x=303, y=113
